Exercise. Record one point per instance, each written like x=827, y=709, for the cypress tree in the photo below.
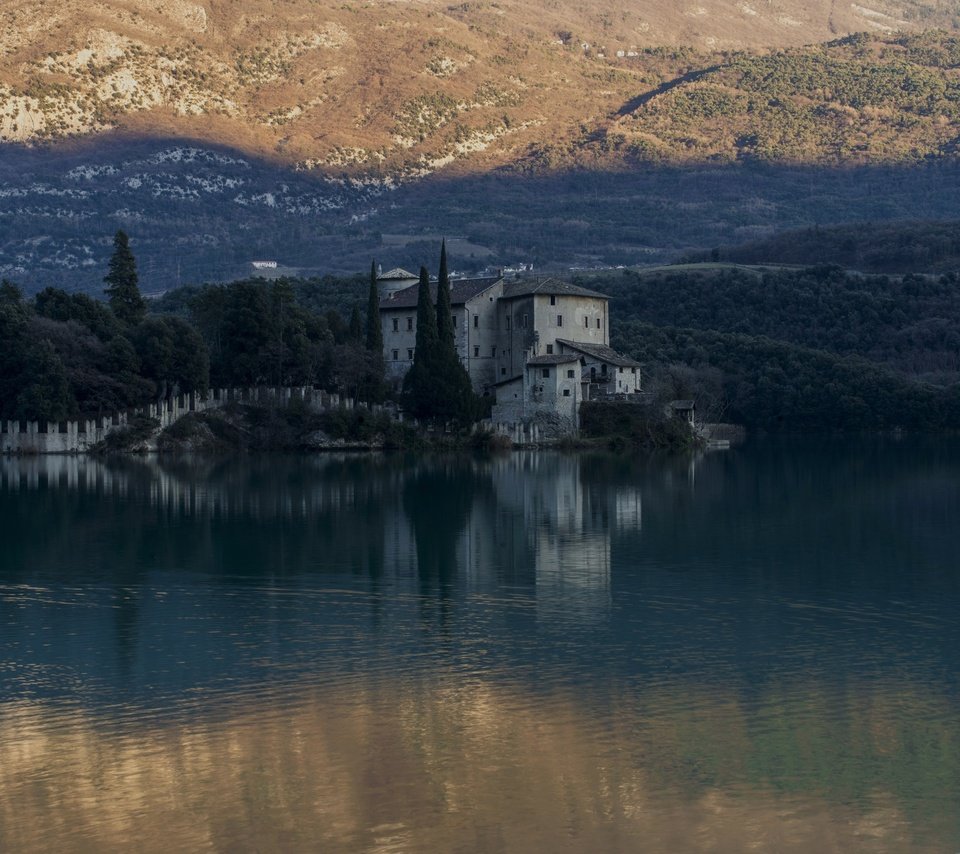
x=444, y=318
x=419, y=385
x=124, y=294
x=454, y=397
x=374, y=387
x=427, y=338
x=374, y=332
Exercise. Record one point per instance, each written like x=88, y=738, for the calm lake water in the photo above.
x=757, y=649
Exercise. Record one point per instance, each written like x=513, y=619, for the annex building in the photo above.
x=540, y=346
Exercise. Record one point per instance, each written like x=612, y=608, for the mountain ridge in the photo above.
x=321, y=134
x=405, y=89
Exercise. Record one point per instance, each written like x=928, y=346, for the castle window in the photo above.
x=559, y=320
x=566, y=392
x=409, y=324
x=633, y=370
x=549, y=349
x=503, y=372
x=476, y=321
x=524, y=322
x=508, y=321
x=553, y=300
x=571, y=375
x=453, y=321
x=546, y=373
x=396, y=353
x=493, y=352
x=603, y=368
x=598, y=323
x=410, y=355
x=476, y=352
x=396, y=325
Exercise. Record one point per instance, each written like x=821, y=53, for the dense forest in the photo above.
x=809, y=348
x=761, y=383
x=909, y=324
x=63, y=355
x=869, y=247
x=812, y=348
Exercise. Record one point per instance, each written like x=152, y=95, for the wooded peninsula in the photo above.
x=772, y=348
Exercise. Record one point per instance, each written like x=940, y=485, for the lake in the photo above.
x=757, y=648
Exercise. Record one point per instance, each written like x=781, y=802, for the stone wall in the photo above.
x=77, y=437
x=520, y=434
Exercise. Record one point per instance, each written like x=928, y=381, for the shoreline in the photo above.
x=271, y=420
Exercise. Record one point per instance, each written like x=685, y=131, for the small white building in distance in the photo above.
x=542, y=346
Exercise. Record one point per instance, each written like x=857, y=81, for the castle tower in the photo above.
x=395, y=280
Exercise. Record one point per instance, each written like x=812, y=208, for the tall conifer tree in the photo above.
x=122, y=283
x=374, y=331
x=419, y=385
x=444, y=310
x=453, y=391
x=373, y=386
x=427, y=338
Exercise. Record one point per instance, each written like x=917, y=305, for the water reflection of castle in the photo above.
x=540, y=520
x=527, y=520
x=569, y=519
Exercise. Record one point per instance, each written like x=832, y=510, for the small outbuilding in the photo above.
x=685, y=410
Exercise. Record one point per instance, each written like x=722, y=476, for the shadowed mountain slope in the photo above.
x=871, y=247
x=197, y=213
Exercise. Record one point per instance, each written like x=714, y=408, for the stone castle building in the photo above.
x=540, y=346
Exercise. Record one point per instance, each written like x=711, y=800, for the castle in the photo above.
x=540, y=346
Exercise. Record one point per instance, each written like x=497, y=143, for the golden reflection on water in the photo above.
x=474, y=766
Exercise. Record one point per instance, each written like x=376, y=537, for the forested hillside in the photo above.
x=767, y=384
x=66, y=355
x=814, y=348
x=870, y=247
x=908, y=324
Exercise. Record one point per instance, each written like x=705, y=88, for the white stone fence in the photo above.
x=72, y=437
x=520, y=434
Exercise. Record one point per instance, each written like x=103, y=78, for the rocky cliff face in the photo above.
x=404, y=87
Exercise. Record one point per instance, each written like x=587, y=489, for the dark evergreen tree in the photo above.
x=339, y=329
x=57, y=304
x=374, y=331
x=356, y=325
x=47, y=396
x=419, y=385
x=172, y=355
x=122, y=283
x=426, y=340
x=455, y=400
x=14, y=345
x=9, y=292
x=444, y=310
x=373, y=386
